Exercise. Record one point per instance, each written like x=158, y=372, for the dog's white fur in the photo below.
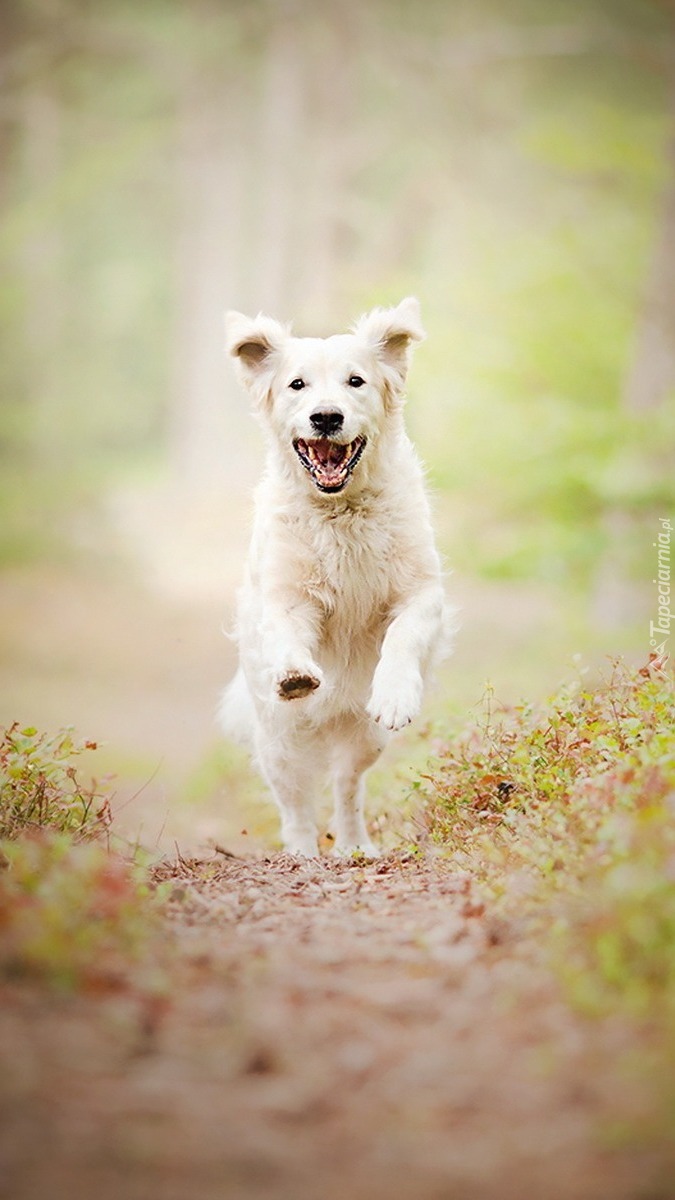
x=342, y=607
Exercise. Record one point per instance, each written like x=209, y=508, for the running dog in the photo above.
x=341, y=614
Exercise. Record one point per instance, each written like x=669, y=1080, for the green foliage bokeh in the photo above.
x=507, y=165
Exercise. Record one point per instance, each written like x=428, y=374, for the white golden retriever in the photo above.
x=342, y=608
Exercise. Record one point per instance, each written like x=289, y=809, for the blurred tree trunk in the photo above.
x=208, y=415
x=652, y=372
x=306, y=159
x=283, y=167
x=325, y=202
x=10, y=40
x=650, y=383
x=42, y=270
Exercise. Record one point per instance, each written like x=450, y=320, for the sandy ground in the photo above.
x=330, y=1030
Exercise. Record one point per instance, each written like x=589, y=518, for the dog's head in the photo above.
x=326, y=400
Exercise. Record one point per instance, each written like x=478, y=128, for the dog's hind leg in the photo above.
x=354, y=754
x=293, y=784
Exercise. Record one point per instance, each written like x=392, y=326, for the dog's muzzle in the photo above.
x=329, y=463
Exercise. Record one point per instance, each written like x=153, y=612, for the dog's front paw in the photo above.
x=294, y=685
x=394, y=701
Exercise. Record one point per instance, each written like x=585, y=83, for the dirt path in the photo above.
x=332, y=1030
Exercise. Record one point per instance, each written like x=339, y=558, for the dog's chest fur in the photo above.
x=352, y=566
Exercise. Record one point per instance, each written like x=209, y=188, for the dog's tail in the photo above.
x=235, y=711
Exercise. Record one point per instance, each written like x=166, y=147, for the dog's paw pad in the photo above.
x=295, y=685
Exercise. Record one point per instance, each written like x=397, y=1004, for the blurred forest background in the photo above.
x=512, y=163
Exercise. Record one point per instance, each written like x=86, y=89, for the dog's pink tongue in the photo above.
x=329, y=454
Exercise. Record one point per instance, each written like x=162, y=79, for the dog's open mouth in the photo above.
x=329, y=463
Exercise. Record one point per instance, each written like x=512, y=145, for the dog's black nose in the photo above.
x=327, y=420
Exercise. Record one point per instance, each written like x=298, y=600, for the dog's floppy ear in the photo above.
x=390, y=332
x=255, y=343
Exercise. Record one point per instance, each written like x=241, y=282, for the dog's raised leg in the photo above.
x=287, y=638
x=292, y=785
x=292, y=684
x=398, y=682
x=353, y=756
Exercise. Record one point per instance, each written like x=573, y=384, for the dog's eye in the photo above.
x=356, y=381
x=297, y=384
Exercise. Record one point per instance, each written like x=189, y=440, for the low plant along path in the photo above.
x=325, y=1028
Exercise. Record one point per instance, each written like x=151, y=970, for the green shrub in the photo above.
x=541, y=791
x=567, y=813
x=617, y=952
x=74, y=915
x=40, y=787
